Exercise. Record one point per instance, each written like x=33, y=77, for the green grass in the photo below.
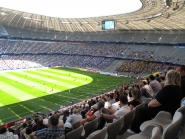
x=27, y=91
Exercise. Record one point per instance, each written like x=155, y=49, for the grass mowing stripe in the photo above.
x=34, y=85
x=76, y=81
x=44, y=77
x=15, y=115
x=41, y=107
x=27, y=108
x=67, y=77
x=19, y=109
x=19, y=94
x=63, y=78
x=16, y=111
x=6, y=111
x=41, y=82
x=7, y=98
x=36, y=106
x=27, y=85
x=64, y=72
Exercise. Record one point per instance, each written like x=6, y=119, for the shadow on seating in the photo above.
x=76, y=125
x=113, y=129
x=100, y=134
x=61, y=137
x=162, y=119
x=127, y=119
x=75, y=134
x=149, y=132
x=89, y=127
x=152, y=131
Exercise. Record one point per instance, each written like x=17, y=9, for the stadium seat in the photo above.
x=61, y=137
x=182, y=135
x=75, y=134
x=100, y=134
x=76, y=125
x=149, y=132
x=162, y=119
x=139, y=106
x=126, y=119
x=113, y=129
x=89, y=127
x=172, y=130
x=152, y=132
x=182, y=110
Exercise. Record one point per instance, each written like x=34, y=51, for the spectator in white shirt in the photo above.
x=114, y=115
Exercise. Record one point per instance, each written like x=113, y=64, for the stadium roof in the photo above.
x=73, y=8
x=154, y=15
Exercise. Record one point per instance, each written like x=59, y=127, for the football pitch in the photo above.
x=24, y=92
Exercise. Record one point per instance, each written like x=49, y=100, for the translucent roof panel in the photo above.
x=73, y=8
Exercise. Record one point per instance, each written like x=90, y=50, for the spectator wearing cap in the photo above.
x=155, y=85
x=52, y=132
x=95, y=115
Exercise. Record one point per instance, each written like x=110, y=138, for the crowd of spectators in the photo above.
x=130, y=68
x=34, y=61
x=101, y=49
x=136, y=68
x=141, y=55
x=91, y=48
x=78, y=55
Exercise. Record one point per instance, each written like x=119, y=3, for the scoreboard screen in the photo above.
x=108, y=24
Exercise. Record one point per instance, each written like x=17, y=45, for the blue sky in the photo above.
x=73, y=8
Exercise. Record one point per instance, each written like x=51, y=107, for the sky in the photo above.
x=73, y=8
